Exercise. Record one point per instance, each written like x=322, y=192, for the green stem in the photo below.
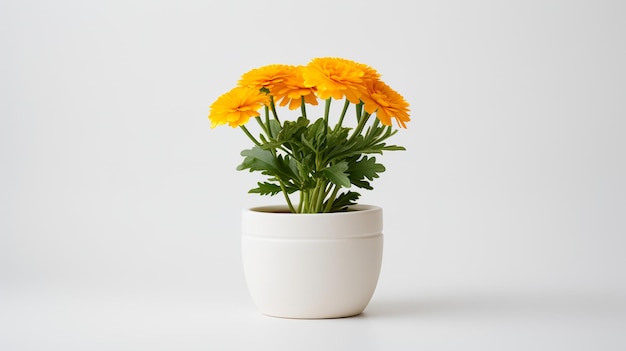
x=260, y=122
x=302, y=200
x=331, y=199
x=343, y=114
x=273, y=106
x=290, y=153
x=359, y=111
x=375, y=124
x=313, y=200
x=389, y=133
x=303, y=107
x=245, y=130
x=267, y=122
x=307, y=200
x=360, y=126
x=282, y=187
x=319, y=203
x=327, y=111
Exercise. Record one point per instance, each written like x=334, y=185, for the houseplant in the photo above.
x=320, y=160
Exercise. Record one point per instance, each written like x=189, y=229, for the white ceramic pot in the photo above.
x=312, y=265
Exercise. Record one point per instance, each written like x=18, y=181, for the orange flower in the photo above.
x=387, y=104
x=237, y=106
x=338, y=78
x=269, y=77
x=292, y=89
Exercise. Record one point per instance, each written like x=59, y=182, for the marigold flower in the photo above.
x=269, y=77
x=292, y=89
x=338, y=78
x=237, y=106
x=387, y=103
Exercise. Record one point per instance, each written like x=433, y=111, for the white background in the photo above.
x=119, y=206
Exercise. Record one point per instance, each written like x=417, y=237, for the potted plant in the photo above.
x=318, y=255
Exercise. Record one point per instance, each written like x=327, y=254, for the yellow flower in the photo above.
x=237, y=106
x=387, y=103
x=292, y=89
x=338, y=78
x=269, y=77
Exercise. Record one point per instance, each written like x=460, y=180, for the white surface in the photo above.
x=119, y=206
x=396, y=321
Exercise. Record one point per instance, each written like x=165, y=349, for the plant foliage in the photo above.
x=323, y=162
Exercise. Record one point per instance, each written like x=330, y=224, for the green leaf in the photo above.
x=266, y=189
x=393, y=148
x=337, y=174
x=257, y=159
x=336, y=144
x=271, y=189
x=264, y=161
x=292, y=131
x=314, y=136
x=308, y=143
x=274, y=127
x=344, y=200
x=362, y=169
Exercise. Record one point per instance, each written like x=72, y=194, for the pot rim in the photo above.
x=272, y=221
x=284, y=209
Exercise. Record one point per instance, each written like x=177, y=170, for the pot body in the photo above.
x=312, y=265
